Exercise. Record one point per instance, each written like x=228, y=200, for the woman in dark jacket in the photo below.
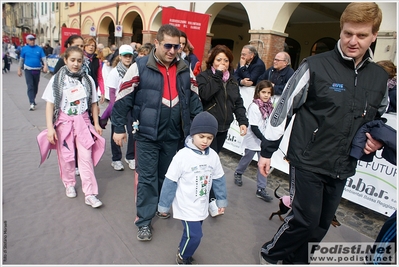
x=93, y=65
x=220, y=94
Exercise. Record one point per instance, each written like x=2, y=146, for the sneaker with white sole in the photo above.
x=91, y=200
x=77, y=173
x=70, y=191
x=144, y=233
x=262, y=194
x=131, y=162
x=118, y=166
x=32, y=107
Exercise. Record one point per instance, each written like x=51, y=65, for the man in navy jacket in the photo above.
x=250, y=67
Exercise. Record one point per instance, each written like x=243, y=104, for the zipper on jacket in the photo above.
x=170, y=95
x=211, y=107
x=225, y=102
x=310, y=143
x=314, y=134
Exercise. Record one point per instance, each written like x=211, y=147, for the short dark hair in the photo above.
x=167, y=29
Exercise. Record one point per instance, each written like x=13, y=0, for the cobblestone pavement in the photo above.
x=360, y=218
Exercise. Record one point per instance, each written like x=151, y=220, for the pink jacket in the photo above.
x=85, y=133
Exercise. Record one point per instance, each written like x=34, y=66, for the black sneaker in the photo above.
x=262, y=194
x=238, y=179
x=181, y=261
x=144, y=233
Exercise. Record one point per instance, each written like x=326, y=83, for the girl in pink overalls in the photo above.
x=70, y=94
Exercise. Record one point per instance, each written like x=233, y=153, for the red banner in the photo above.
x=6, y=39
x=15, y=40
x=193, y=24
x=65, y=33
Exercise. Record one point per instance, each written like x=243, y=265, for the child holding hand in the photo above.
x=190, y=176
x=258, y=114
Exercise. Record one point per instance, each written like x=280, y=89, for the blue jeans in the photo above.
x=32, y=78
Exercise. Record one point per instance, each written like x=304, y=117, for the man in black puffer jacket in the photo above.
x=164, y=99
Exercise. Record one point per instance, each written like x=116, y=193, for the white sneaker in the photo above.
x=118, y=166
x=131, y=162
x=91, y=200
x=77, y=173
x=32, y=107
x=70, y=191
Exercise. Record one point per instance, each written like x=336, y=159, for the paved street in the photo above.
x=42, y=226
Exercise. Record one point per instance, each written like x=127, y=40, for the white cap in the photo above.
x=125, y=50
x=30, y=37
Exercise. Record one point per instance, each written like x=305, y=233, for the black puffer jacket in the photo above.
x=221, y=99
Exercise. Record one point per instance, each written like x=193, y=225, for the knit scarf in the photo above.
x=265, y=108
x=59, y=82
x=88, y=58
x=226, y=74
x=121, y=69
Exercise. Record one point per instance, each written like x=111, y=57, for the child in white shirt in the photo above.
x=258, y=114
x=188, y=181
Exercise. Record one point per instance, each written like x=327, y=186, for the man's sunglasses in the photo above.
x=169, y=46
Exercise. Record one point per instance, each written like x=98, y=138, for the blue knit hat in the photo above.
x=204, y=122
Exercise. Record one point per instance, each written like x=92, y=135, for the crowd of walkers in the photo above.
x=174, y=116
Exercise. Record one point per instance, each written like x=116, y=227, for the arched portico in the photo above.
x=106, y=30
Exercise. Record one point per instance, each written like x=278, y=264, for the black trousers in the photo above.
x=315, y=199
x=153, y=159
x=117, y=150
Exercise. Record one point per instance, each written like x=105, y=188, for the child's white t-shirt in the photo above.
x=250, y=141
x=193, y=174
x=76, y=107
x=113, y=80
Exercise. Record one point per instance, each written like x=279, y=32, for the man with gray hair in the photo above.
x=279, y=73
x=250, y=67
